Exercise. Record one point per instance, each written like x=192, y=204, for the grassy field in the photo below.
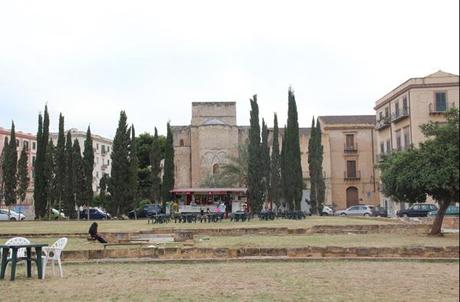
x=23, y=227
x=268, y=281
x=352, y=240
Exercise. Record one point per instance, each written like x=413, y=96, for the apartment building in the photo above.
x=402, y=111
x=348, y=165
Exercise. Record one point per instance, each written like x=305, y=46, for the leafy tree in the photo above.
x=234, y=173
x=60, y=159
x=265, y=161
x=69, y=197
x=10, y=169
x=23, y=175
x=168, y=176
x=88, y=166
x=255, y=174
x=120, y=178
x=293, y=171
x=155, y=169
x=275, y=166
x=432, y=169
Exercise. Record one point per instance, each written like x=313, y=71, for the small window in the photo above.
x=387, y=113
x=405, y=104
x=108, y=149
x=108, y=162
x=397, y=108
x=181, y=143
x=97, y=146
x=33, y=160
x=388, y=146
x=17, y=143
x=380, y=115
x=25, y=144
x=34, y=145
x=215, y=169
x=382, y=148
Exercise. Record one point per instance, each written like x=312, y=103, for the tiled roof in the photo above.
x=348, y=119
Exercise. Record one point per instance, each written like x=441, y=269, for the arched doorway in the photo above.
x=215, y=169
x=352, y=196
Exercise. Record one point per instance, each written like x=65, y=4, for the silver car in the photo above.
x=358, y=210
x=11, y=215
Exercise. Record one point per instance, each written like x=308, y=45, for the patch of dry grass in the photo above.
x=268, y=281
x=351, y=240
x=23, y=227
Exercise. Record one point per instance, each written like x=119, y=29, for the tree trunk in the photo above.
x=437, y=224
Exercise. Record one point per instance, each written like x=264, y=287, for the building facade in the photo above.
x=202, y=147
x=402, y=111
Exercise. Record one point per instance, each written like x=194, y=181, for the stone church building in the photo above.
x=202, y=147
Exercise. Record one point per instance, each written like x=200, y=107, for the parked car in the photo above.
x=451, y=210
x=94, y=213
x=357, y=210
x=147, y=211
x=11, y=215
x=327, y=211
x=417, y=210
x=380, y=212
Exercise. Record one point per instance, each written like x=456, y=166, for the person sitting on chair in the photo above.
x=94, y=235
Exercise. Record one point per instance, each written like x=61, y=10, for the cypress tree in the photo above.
x=78, y=174
x=69, y=197
x=120, y=178
x=23, y=175
x=168, y=176
x=284, y=184
x=321, y=186
x=49, y=170
x=255, y=188
x=275, y=166
x=134, y=167
x=265, y=153
x=60, y=159
x=41, y=182
x=10, y=169
x=312, y=167
x=155, y=160
x=88, y=166
x=2, y=168
x=38, y=171
x=293, y=164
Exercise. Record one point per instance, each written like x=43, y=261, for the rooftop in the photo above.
x=348, y=119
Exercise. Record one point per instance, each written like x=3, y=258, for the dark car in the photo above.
x=147, y=211
x=94, y=213
x=380, y=212
x=417, y=210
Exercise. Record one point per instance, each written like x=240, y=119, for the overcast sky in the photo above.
x=91, y=59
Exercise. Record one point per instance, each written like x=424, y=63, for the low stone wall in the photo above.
x=172, y=253
x=450, y=222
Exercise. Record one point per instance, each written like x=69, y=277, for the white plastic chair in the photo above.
x=21, y=251
x=53, y=253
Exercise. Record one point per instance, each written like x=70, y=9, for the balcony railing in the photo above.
x=352, y=175
x=434, y=110
x=402, y=114
x=383, y=123
x=350, y=148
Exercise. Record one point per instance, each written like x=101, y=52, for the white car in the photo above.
x=327, y=211
x=11, y=215
x=358, y=210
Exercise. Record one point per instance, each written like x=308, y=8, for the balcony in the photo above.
x=351, y=175
x=438, y=110
x=350, y=148
x=400, y=115
x=383, y=123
